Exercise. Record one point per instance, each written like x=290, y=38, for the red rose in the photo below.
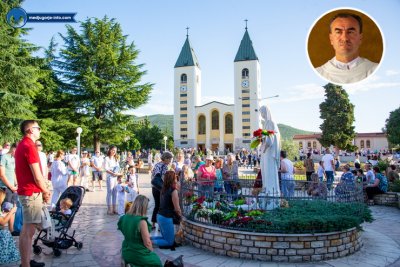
x=257, y=133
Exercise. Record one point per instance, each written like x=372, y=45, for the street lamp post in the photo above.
x=165, y=143
x=78, y=139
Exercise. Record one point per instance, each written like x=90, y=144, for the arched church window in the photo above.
x=215, y=120
x=362, y=144
x=202, y=124
x=245, y=73
x=301, y=145
x=308, y=144
x=228, y=124
x=314, y=144
x=184, y=78
x=368, y=144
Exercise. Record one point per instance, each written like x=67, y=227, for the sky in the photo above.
x=279, y=32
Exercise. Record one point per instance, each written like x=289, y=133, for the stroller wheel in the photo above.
x=57, y=252
x=37, y=250
x=79, y=245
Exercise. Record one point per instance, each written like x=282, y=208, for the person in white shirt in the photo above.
x=59, y=177
x=370, y=175
x=345, y=35
x=43, y=159
x=85, y=170
x=120, y=189
x=97, y=169
x=329, y=167
x=287, y=171
x=73, y=165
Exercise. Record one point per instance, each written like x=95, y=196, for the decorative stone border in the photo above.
x=272, y=247
x=387, y=199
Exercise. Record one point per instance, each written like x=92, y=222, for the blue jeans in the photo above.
x=231, y=189
x=329, y=179
x=167, y=231
x=206, y=190
x=288, y=188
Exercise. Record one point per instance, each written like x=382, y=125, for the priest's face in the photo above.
x=345, y=38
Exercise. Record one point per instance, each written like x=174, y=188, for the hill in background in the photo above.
x=166, y=122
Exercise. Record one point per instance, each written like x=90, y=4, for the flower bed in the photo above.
x=299, y=216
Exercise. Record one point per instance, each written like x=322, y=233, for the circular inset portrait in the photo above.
x=345, y=46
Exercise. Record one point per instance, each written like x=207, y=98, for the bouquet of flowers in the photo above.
x=258, y=135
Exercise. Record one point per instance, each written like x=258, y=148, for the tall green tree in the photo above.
x=392, y=127
x=149, y=136
x=291, y=148
x=100, y=78
x=337, y=114
x=19, y=76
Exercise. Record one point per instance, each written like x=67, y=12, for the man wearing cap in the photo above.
x=32, y=190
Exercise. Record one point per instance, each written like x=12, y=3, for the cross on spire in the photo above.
x=187, y=31
x=246, y=23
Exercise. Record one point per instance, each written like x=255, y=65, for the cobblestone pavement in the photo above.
x=102, y=241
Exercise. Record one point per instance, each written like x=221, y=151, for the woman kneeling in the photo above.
x=137, y=247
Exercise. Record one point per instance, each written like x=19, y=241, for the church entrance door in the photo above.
x=229, y=147
x=201, y=147
x=214, y=147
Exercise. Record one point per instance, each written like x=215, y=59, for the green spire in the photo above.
x=187, y=57
x=246, y=50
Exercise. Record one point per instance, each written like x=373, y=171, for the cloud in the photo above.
x=392, y=72
x=373, y=83
x=300, y=92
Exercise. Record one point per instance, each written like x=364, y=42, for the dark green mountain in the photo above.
x=165, y=123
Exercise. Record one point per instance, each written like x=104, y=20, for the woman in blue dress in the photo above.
x=9, y=252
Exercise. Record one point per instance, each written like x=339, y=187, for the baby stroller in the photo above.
x=61, y=224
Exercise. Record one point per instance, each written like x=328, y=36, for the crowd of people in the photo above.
x=26, y=171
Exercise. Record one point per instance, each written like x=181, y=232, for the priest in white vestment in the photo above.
x=346, y=37
x=269, y=161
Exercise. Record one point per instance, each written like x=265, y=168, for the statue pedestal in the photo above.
x=269, y=200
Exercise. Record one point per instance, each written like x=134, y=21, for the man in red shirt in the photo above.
x=32, y=190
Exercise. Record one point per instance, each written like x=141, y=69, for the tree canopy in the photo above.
x=19, y=76
x=100, y=79
x=337, y=114
x=392, y=127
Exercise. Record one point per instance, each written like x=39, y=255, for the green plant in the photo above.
x=394, y=186
x=383, y=165
x=299, y=165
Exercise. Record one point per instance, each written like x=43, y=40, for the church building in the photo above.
x=215, y=125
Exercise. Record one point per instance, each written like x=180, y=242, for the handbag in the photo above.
x=178, y=262
x=176, y=219
x=46, y=219
x=157, y=182
x=47, y=224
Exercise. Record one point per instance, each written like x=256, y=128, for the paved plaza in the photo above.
x=102, y=241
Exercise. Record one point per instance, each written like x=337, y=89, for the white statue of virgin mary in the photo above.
x=270, y=157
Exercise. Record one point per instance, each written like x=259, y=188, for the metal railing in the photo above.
x=238, y=205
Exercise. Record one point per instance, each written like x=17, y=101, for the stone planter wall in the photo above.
x=387, y=199
x=272, y=247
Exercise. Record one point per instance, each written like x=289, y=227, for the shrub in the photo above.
x=299, y=165
x=394, y=186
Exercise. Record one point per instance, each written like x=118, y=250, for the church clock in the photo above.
x=183, y=88
x=245, y=83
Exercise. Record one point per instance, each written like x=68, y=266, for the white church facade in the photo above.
x=216, y=125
